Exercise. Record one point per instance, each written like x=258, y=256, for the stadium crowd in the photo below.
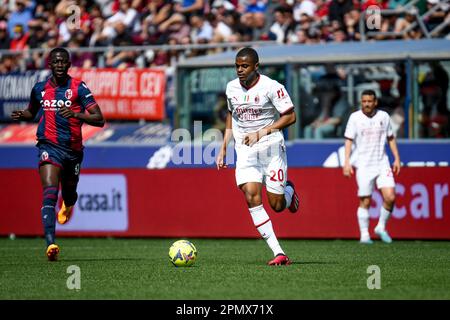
x=29, y=24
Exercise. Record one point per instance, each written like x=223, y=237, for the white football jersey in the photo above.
x=257, y=107
x=369, y=136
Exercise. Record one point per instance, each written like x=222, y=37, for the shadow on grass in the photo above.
x=100, y=259
x=313, y=262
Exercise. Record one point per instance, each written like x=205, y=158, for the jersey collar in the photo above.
x=256, y=82
x=373, y=115
x=54, y=84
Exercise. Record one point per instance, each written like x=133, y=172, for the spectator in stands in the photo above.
x=19, y=38
x=307, y=7
x=8, y=64
x=351, y=25
x=221, y=31
x=106, y=7
x=80, y=59
x=189, y=7
x=97, y=38
x=380, y=4
x=434, y=117
x=158, y=11
x=201, y=32
x=37, y=39
x=281, y=24
x=126, y=16
x=4, y=37
x=240, y=31
x=338, y=9
x=438, y=16
x=37, y=34
x=63, y=7
x=220, y=7
x=254, y=15
x=387, y=25
x=333, y=106
x=21, y=16
x=396, y=4
x=405, y=27
x=122, y=59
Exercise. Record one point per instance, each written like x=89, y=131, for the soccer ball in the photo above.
x=182, y=253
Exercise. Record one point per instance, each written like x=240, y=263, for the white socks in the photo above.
x=263, y=224
x=363, y=221
x=384, y=217
x=288, y=193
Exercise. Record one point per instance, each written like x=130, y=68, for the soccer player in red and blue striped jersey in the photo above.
x=63, y=105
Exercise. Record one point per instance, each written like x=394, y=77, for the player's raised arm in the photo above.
x=220, y=161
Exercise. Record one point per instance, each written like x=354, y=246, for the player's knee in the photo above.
x=278, y=206
x=253, y=200
x=390, y=199
x=365, y=203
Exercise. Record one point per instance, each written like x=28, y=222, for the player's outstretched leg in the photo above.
x=380, y=229
x=69, y=194
x=52, y=252
x=65, y=213
x=292, y=200
x=384, y=236
x=280, y=260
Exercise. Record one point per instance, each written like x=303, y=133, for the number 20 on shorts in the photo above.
x=277, y=175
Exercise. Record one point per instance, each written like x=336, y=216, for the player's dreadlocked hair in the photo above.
x=61, y=50
x=247, y=51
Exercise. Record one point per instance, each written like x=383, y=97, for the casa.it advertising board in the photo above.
x=102, y=204
x=126, y=94
x=206, y=203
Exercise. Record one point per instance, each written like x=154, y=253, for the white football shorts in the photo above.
x=264, y=163
x=366, y=179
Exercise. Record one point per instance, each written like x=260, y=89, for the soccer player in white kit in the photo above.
x=258, y=109
x=369, y=128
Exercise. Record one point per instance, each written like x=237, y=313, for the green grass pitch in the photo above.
x=225, y=269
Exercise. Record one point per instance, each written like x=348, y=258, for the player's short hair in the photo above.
x=60, y=50
x=369, y=92
x=247, y=51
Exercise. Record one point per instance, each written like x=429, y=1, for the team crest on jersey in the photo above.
x=77, y=169
x=44, y=156
x=257, y=99
x=68, y=94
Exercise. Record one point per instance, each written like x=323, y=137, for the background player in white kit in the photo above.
x=369, y=128
x=254, y=103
